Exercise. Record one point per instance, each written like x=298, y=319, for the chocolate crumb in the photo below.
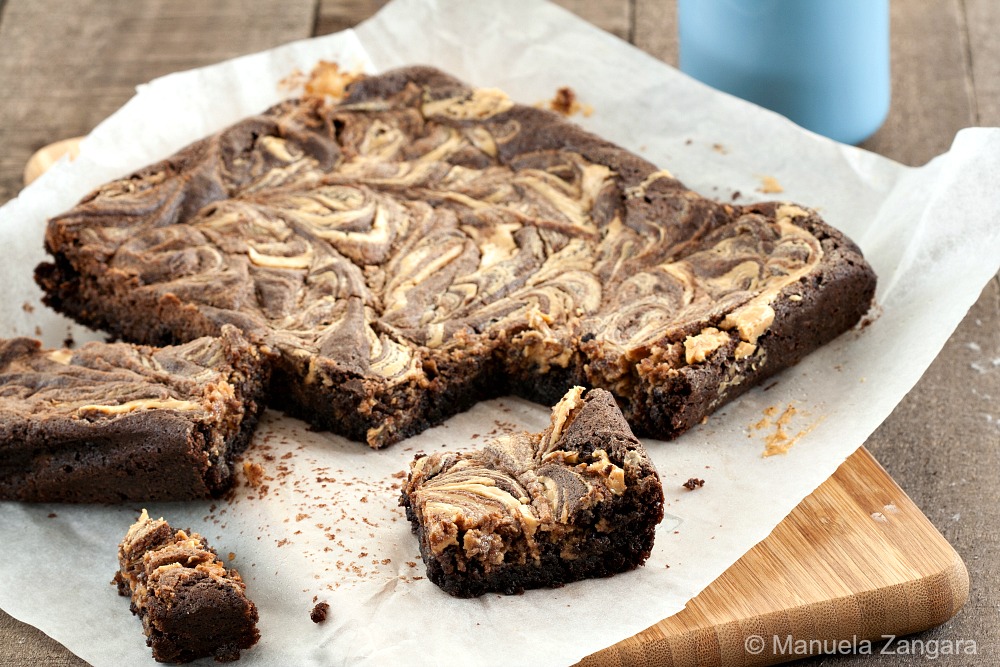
x=52, y=515
x=69, y=342
x=27, y=307
x=566, y=103
x=694, y=483
x=563, y=101
x=319, y=612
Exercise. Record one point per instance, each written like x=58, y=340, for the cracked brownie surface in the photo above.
x=119, y=422
x=423, y=245
x=580, y=499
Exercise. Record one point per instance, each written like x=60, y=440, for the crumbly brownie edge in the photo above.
x=250, y=368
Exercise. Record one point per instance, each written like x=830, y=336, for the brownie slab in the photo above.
x=191, y=606
x=424, y=245
x=578, y=500
x=118, y=422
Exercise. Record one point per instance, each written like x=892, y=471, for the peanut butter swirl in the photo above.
x=102, y=381
x=387, y=238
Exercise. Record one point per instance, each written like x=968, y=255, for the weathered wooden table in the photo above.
x=66, y=66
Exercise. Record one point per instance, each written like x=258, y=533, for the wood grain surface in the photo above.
x=66, y=66
x=855, y=561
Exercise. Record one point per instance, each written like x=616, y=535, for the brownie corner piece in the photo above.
x=191, y=606
x=579, y=500
x=118, y=422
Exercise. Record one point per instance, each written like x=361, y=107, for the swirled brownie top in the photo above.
x=519, y=482
x=104, y=381
x=579, y=499
x=388, y=239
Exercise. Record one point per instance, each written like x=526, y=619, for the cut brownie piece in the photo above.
x=191, y=606
x=118, y=422
x=578, y=500
x=424, y=245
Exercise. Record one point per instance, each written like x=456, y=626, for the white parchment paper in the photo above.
x=327, y=526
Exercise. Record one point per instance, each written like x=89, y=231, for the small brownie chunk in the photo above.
x=320, y=612
x=580, y=499
x=117, y=422
x=191, y=606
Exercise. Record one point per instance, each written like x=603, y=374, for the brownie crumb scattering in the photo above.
x=578, y=500
x=191, y=606
x=694, y=483
x=319, y=612
x=424, y=245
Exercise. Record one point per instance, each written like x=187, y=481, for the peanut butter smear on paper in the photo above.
x=780, y=441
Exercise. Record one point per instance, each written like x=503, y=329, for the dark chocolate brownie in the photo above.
x=191, y=606
x=423, y=245
x=580, y=499
x=118, y=422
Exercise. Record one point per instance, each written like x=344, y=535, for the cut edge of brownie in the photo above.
x=550, y=536
x=190, y=605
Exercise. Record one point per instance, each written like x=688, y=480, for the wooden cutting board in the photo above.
x=856, y=560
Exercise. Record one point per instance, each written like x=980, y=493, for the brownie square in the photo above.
x=118, y=422
x=581, y=499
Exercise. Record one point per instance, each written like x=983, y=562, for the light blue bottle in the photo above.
x=822, y=63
